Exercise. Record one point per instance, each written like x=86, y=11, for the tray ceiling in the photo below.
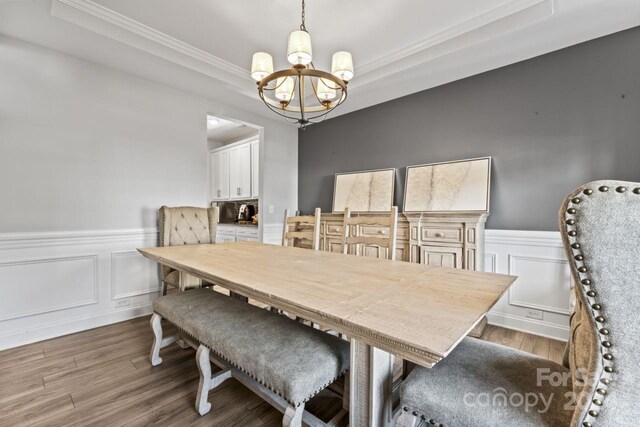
x=399, y=47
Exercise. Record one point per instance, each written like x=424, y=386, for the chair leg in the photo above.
x=158, y=341
x=207, y=381
x=204, y=366
x=293, y=416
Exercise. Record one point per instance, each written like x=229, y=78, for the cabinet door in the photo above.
x=255, y=169
x=214, y=175
x=333, y=245
x=223, y=174
x=373, y=251
x=240, y=172
x=402, y=251
x=441, y=256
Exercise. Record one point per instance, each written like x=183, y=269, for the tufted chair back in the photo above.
x=186, y=225
x=600, y=228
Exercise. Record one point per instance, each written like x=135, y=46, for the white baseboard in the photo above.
x=70, y=326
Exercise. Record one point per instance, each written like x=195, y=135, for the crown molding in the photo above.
x=110, y=23
x=489, y=25
x=500, y=12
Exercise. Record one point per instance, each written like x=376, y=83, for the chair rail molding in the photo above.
x=67, y=281
x=539, y=261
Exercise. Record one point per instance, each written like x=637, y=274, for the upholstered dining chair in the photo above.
x=185, y=225
x=385, y=227
x=483, y=384
x=302, y=228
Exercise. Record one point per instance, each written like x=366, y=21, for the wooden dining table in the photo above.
x=386, y=308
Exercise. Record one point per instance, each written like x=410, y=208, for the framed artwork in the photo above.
x=366, y=191
x=458, y=186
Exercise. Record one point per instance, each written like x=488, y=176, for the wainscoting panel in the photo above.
x=53, y=284
x=133, y=275
x=538, y=302
x=27, y=285
x=272, y=233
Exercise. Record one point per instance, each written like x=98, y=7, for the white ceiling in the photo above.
x=226, y=131
x=399, y=46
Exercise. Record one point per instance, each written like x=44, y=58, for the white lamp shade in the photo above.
x=299, y=48
x=284, y=88
x=325, y=91
x=261, y=65
x=342, y=65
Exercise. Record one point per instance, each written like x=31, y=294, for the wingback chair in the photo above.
x=600, y=228
x=185, y=225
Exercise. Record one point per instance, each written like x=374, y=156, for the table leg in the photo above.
x=371, y=386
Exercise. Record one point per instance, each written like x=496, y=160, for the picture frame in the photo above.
x=364, y=191
x=461, y=186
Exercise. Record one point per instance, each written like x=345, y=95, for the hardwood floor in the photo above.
x=103, y=377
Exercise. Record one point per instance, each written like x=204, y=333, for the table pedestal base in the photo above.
x=371, y=386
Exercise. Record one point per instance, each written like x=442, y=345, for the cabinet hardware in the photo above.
x=439, y=235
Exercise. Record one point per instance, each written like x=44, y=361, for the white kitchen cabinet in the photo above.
x=225, y=239
x=255, y=169
x=219, y=173
x=240, y=172
x=230, y=233
x=234, y=171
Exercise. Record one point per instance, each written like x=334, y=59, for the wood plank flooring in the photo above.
x=102, y=377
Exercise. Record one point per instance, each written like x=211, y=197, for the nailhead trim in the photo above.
x=423, y=417
x=571, y=231
x=250, y=374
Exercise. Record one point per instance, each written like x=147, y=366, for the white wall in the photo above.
x=87, y=156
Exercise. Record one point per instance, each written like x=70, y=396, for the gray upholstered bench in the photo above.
x=285, y=361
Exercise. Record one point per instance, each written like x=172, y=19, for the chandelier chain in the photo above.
x=302, y=26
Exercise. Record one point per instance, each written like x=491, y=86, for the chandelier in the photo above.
x=302, y=94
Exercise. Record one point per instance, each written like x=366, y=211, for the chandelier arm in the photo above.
x=326, y=103
x=293, y=72
x=301, y=96
x=277, y=111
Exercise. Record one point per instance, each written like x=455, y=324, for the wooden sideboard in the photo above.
x=444, y=240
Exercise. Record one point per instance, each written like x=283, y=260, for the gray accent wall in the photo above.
x=550, y=124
